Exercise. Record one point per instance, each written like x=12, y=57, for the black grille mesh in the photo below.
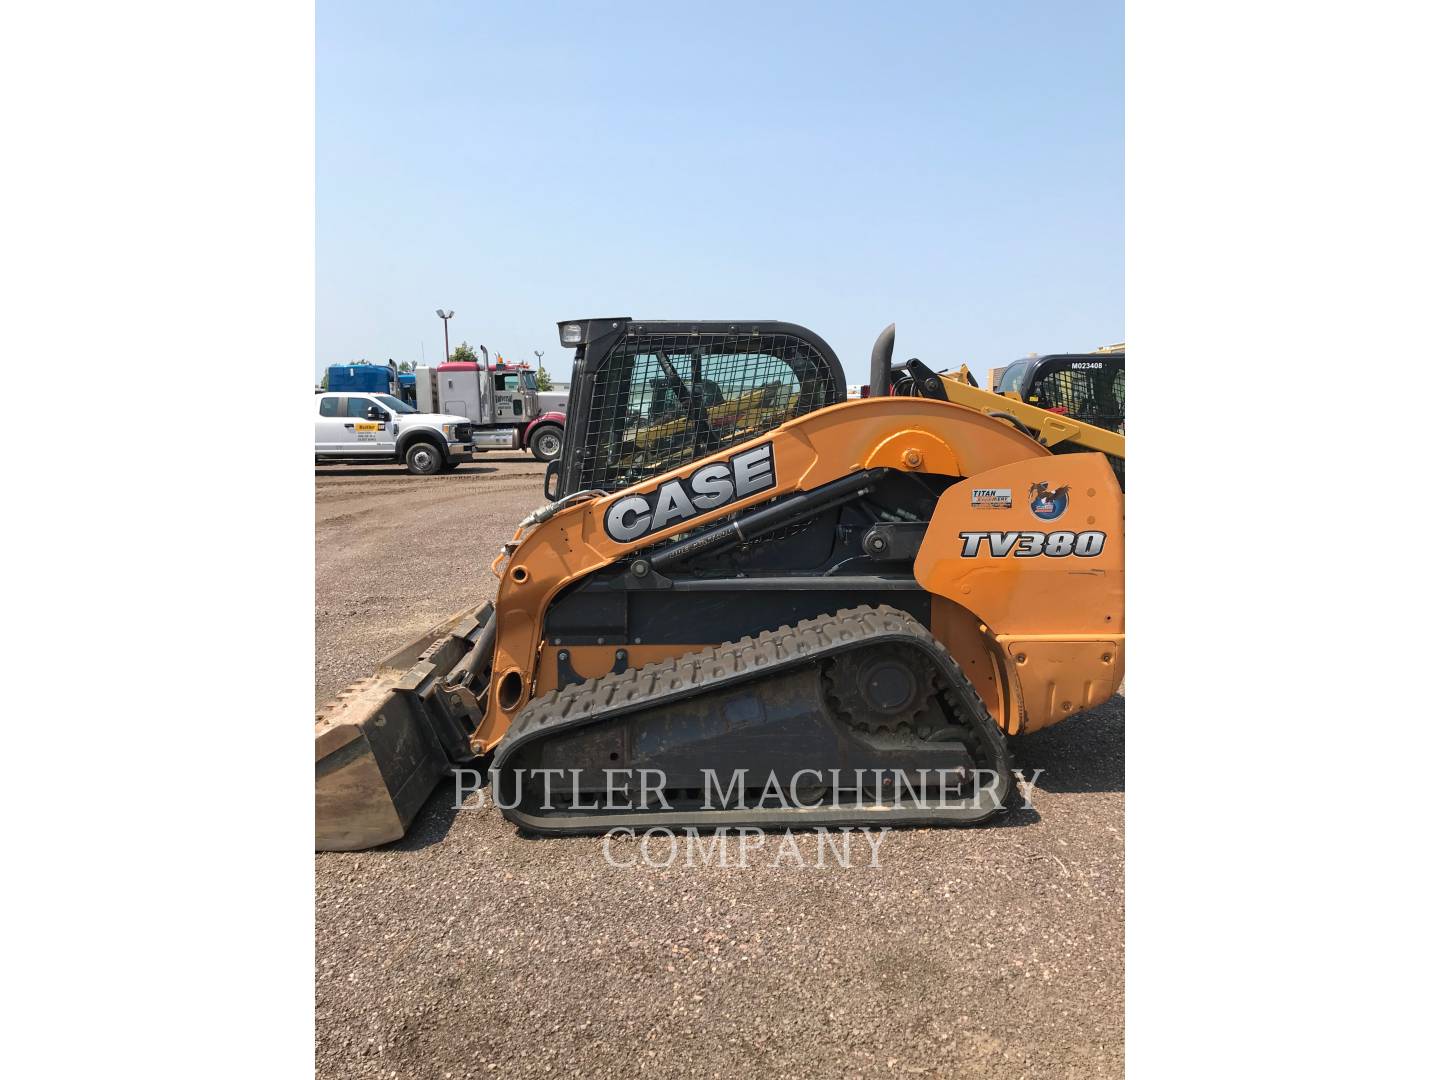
x=1093, y=394
x=662, y=400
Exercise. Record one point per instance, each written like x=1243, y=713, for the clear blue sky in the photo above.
x=956, y=168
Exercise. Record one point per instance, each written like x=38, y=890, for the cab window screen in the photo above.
x=1087, y=390
x=662, y=400
x=357, y=406
x=330, y=406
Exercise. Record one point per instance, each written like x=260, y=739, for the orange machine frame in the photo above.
x=1040, y=637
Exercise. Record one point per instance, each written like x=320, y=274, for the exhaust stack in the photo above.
x=880, y=357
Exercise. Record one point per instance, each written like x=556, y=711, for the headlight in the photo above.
x=571, y=333
x=448, y=429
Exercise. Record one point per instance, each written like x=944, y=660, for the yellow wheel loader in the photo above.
x=784, y=609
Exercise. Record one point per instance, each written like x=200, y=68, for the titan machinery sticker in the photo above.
x=990, y=499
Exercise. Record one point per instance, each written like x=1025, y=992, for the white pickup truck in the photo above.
x=358, y=428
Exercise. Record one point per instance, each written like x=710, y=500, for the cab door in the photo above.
x=369, y=427
x=530, y=394
x=330, y=436
x=509, y=399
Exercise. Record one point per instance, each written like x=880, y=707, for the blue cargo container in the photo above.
x=362, y=378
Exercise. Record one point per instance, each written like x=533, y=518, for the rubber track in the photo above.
x=764, y=655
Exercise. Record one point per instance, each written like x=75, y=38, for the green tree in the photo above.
x=542, y=380
x=407, y=365
x=463, y=353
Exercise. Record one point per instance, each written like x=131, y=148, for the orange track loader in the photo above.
x=822, y=613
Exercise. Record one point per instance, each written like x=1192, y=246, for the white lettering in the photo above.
x=636, y=527
x=461, y=790
x=751, y=839
x=712, y=486
x=673, y=505
x=1027, y=787
x=548, y=803
x=709, y=487
x=879, y=835
x=794, y=795
x=788, y=849
x=707, y=851
x=842, y=855
x=992, y=787
x=645, y=847
x=647, y=790
x=575, y=803
x=1001, y=543
x=772, y=791
x=754, y=471
x=726, y=798
x=629, y=834
x=611, y=790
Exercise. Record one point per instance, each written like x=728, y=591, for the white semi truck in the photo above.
x=501, y=401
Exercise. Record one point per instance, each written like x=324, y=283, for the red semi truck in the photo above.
x=501, y=400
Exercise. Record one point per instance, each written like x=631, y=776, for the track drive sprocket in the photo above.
x=885, y=688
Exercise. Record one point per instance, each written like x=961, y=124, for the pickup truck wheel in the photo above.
x=546, y=442
x=424, y=458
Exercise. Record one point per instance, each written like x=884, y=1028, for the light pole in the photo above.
x=539, y=361
x=445, y=317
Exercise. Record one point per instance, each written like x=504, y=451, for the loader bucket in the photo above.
x=384, y=743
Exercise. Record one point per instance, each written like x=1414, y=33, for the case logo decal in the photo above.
x=1048, y=505
x=708, y=487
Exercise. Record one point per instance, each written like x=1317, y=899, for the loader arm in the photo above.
x=1051, y=429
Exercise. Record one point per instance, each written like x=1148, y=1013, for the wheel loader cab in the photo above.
x=649, y=396
x=1084, y=386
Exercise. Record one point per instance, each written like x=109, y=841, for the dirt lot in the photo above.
x=466, y=950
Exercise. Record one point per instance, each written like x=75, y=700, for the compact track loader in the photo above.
x=783, y=609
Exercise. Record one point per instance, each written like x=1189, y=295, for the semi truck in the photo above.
x=501, y=401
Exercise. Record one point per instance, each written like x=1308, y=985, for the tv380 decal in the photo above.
x=1030, y=545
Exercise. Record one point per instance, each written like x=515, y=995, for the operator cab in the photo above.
x=1085, y=386
x=647, y=396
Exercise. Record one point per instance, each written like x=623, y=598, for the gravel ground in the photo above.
x=467, y=950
